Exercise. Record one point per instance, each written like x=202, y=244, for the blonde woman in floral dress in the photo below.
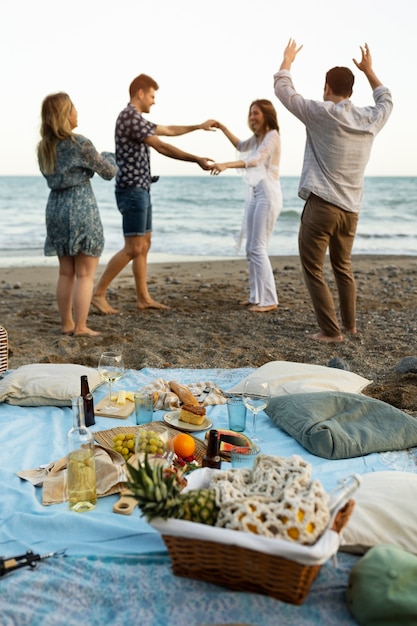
x=74, y=230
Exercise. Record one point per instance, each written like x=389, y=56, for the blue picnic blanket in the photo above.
x=32, y=436
x=117, y=570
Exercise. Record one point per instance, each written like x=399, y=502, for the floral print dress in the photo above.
x=73, y=223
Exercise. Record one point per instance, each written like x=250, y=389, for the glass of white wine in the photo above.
x=111, y=368
x=256, y=396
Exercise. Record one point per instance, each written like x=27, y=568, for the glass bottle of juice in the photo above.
x=81, y=472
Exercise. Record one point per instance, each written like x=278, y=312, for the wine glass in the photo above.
x=111, y=368
x=256, y=396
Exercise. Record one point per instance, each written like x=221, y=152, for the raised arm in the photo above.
x=174, y=131
x=290, y=53
x=365, y=65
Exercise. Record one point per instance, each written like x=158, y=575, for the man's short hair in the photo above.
x=143, y=81
x=340, y=81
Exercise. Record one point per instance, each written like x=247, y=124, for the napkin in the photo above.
x=110, y=476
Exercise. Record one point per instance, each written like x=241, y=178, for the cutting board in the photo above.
x=125, y=504
x=122, y=411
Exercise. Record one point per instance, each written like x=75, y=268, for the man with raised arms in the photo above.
x=338, y=145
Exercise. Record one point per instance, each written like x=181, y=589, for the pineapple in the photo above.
x=158, y=493
x=199, y=505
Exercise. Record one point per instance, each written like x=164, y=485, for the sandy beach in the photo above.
x=205, y=327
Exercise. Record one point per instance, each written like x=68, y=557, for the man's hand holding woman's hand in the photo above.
x=217, y=168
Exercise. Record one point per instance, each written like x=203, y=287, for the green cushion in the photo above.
x=337, y=425
x=383, y=588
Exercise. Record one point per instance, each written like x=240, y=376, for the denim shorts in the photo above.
x=136, y=208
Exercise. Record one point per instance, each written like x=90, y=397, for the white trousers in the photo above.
x=261, y=214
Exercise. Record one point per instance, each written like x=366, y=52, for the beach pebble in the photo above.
x=407, y=364
x=338, y=363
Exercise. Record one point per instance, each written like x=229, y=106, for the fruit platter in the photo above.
x=123, y=439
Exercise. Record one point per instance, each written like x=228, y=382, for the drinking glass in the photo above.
x=143, y=407
x=111, y=368
x=256, y=396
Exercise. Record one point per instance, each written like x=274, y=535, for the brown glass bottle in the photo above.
x=212, y=457
x=88, y=402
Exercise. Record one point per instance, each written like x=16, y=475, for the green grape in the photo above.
x=146, y=441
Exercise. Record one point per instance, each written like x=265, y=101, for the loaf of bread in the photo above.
x=192, y=414
x=183, y=393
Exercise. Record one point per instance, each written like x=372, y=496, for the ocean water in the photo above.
x=199, y=217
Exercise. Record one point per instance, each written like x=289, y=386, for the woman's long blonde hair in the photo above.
x=55, y=126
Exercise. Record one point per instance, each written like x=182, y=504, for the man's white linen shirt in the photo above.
x=338, y=143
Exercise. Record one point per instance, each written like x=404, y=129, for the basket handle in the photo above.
x=343, y=516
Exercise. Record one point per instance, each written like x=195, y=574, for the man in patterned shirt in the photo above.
x=134, y=135
x=338, y=145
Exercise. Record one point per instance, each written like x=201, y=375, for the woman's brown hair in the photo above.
x=268, y=110
x=55, y=126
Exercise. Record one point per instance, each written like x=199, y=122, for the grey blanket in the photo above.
x=336, y=425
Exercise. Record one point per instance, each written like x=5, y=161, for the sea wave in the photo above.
x=202, y=215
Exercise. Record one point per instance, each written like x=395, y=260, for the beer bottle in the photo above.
x=212, y=457
x=88, y=402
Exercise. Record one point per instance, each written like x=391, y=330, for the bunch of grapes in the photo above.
x=148, y=442
x=124, y=444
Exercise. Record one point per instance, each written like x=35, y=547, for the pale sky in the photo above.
x=210, y=59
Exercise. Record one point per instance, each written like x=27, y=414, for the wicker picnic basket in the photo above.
x=243, y=569
x=4, y=350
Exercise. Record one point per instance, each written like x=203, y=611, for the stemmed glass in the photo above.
x=256, y=396
x=111, y=368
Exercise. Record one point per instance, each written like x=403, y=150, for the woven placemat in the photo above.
x=105, y=437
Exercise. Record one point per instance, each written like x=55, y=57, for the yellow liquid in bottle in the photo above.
x=81, y=480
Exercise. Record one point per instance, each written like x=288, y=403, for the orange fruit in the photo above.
x=184, y=445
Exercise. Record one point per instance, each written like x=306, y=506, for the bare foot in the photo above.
x=87, y=332
x=325, y=338
x=263, y=309
x=352, y=331
x=151, y=304
x=67, y=332
x=103, y=306
x=247, y=303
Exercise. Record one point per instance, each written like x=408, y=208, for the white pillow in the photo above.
x=46, y=384
x=385, y=512
x=285, y=377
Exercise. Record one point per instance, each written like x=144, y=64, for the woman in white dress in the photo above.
x=259, y=157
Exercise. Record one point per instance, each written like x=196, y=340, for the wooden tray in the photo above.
x=105, y=437
x=124, y=409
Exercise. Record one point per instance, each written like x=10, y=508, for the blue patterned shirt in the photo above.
x=132, y=154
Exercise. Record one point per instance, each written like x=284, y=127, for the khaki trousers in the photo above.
x=326, y=226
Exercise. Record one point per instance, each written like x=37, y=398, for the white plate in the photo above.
x=172, y=418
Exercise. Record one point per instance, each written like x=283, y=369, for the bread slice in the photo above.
x=192, y=414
